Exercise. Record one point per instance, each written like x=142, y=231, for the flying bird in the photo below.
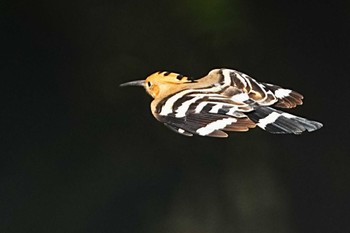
x=223, y=100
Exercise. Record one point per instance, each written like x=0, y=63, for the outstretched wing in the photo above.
x=205, y=114
x=264, y=94
x=207, y=124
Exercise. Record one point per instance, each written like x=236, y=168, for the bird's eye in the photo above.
x=149, y=84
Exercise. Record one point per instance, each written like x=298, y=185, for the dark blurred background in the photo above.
x=80, y=154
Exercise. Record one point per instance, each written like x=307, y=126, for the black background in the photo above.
x=81, y=154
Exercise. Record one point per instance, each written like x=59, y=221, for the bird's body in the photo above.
x=223, y=100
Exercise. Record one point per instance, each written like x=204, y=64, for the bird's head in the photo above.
x=161, y=83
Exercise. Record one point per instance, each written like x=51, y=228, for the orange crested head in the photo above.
x=160, y=83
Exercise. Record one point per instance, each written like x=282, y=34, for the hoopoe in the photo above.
x=223, y=100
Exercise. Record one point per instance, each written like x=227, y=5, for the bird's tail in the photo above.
x=278, y=122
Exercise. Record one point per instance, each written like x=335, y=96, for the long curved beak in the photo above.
x=134, y=83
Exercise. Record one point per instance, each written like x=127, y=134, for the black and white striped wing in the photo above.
x=212, y=125
x=204, y=115
x=264, y=94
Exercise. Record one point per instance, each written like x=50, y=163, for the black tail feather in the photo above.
x=278, y=122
